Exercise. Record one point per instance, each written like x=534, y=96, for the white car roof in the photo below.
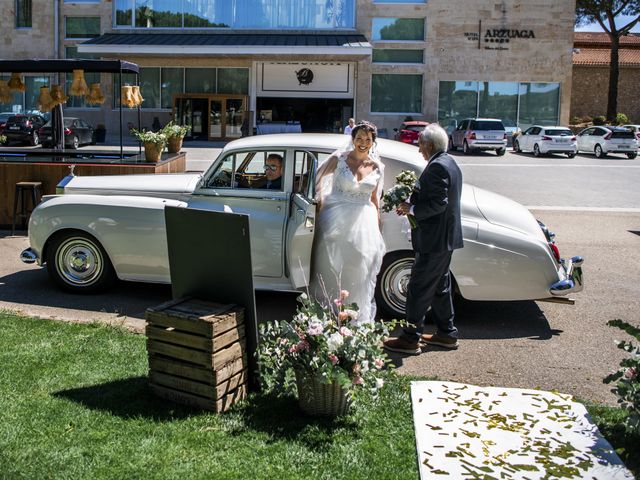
x=547, y=126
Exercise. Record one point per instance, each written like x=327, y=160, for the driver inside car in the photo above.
x=272, y=179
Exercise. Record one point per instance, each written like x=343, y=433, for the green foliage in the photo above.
x=627, y=377
x=599, y=120
x=575, y=120
x=400, y=192
x=147, y=136
x=171, y=130
x=324, y=342
x=621, y=119
x=604, y=11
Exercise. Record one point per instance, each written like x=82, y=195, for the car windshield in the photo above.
x=558, y=132
x=486, y=125
x=413, y=128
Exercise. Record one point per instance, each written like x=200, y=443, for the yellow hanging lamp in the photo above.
x=5, y=93
x=137, y=96
x=57, y=94
x=45, y=102
x=79, y=86
x=95, y=97
x=126, y=96
x=16, y=84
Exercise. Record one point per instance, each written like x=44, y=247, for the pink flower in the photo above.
x=293, y=349
x=333, y=358
x=338, y=302
x=344, y=294
x=343, y=316
x=356, y=368
x=283, y=341
x=357, y=380
x=345, y=332
x=303, y=345
x=379, y=363
x=630, y=373
x=315, y=329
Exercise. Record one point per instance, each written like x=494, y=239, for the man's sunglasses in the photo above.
x=273, y=168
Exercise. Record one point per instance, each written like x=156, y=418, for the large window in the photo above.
x=397, y=56
x=159, y=85
x=516, y=104
x=396, y=93
x=32, y=91
x=258, y=14
x=397, y=29
x=23, y=13
x=82, y=27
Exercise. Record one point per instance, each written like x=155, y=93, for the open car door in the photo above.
x=302, y=220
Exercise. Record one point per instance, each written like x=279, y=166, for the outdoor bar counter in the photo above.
x=50, y=166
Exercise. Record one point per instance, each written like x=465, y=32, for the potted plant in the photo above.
x=154, y=143
x=101, y=133
x=175, y=134
x=323, y=353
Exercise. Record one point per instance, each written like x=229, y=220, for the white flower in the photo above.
x=315, y=328
x=379, y=383
x=334, y=342
x=353, y=314
x=365, y=366
x=344, y=331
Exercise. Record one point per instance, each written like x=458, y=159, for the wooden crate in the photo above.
x=197, y=353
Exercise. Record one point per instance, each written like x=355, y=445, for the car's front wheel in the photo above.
x=571, y=154
x=465, y=148
x=516, y=146
x=393, y=281
x=631, y=156
x=77, y=263
x=501, y=151
x=599, y=152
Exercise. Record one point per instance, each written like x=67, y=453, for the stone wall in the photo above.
x=591, y=89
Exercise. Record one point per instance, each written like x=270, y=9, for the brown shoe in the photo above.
x=435, y=339
x=401, y=345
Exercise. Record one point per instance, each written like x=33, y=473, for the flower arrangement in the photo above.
x=147, y=136
x=405, y=183
x=627, y=377
x=171, y=129
x=323, y=342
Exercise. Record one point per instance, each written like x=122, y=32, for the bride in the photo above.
x=348, y=246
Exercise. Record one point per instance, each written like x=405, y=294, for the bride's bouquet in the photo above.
x=405, y=183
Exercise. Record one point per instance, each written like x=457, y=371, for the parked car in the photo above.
x=511, y=129
x=602, y=140
x=24, y=128
x=4, y=116
x=409, y=131
x=76, y=132
x=105, y=227
x=635, y=129
x=479, y=134
x=544, y=140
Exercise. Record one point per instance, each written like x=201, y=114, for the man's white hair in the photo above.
x=437, y=135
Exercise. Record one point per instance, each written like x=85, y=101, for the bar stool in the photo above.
x=21, y=194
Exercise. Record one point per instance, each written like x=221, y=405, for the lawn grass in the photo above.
x=74, y=403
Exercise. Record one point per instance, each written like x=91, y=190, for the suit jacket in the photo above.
x=264, y=183
x=436, y=206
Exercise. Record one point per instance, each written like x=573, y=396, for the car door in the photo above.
x=584, y=139
x=233, y=185
x=534, y=137
x=458, y=133
x=302, y=219
x=524, y=139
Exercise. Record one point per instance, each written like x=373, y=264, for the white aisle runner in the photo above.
x=464, y=431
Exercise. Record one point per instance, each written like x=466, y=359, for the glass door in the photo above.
x=235, y=115
x=215, y=119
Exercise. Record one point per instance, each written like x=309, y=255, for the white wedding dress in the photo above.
x=348, y=247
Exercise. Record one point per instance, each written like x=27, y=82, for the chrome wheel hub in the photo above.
x=79, y=261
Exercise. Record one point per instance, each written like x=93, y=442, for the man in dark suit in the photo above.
x=272, y=179
x=435, y=204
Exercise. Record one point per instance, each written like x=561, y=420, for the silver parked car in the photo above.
x=544, y=140
x=479, y=134
x=113, y=226
x=602, y=140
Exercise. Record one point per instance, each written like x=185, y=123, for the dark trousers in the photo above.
x=430, y=285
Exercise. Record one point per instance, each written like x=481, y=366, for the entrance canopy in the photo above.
x=337, y=45
x=67, y=66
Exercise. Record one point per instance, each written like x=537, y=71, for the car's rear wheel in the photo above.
x=452, y=147
x=536, y=150
x=35, y=139
x=501, y=151
x=599, y=152
x=465, y=148
x=393, y=280
x=571, y=154
x=75, y=143
x=77, y=263
x=631, y=156
x=516, y=146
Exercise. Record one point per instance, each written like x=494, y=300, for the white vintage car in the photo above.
x=100, y=228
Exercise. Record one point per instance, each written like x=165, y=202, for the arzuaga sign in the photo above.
x=498, y=38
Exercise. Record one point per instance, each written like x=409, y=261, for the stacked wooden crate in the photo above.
x=197, y=353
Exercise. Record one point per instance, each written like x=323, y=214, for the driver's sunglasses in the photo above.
x=273, y=168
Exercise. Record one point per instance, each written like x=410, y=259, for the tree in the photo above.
x=604, y=13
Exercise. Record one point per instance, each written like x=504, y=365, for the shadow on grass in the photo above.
x=279, y=417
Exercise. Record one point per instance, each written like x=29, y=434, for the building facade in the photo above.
x=232, y=67
x=590, y=88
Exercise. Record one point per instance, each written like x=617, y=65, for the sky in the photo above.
x=620, y=20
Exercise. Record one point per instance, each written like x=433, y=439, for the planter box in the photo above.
x=197, y=353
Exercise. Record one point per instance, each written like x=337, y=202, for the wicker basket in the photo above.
x=174, y=144
x=321, y=399
x=153, y=151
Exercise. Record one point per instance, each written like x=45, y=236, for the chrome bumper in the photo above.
x=28, y=256
x=573, y=282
